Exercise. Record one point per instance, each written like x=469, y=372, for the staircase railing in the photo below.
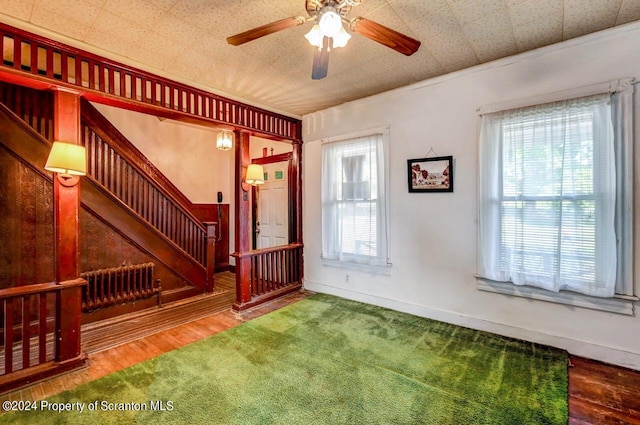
x=128, y=182
x=120, y=168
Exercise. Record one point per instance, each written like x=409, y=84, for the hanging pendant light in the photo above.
x=224, y=141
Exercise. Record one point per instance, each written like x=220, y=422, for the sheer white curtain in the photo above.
x=547, y=196
x=354, y=207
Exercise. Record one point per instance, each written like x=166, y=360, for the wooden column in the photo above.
x=295, y=219
x=297, y=172
x=242, y=212
x=66, y=205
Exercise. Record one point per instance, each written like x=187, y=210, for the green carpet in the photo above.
x=326, y=360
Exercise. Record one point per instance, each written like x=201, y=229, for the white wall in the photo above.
x=433, y=235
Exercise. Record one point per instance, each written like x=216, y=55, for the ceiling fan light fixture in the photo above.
x=314, y=36
x=330, y=22
x=341, y=39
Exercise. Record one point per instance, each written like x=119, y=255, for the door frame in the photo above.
x=288, y=156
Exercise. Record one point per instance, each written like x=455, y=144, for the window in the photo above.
x=354, y=202
x=552, y=194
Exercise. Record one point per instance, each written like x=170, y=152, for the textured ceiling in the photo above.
x=186, y=39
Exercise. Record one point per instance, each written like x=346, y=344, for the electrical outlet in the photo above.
x=346, y=278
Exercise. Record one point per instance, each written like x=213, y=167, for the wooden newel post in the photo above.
x=211, y=254
x=69, y=312
x=243, y=281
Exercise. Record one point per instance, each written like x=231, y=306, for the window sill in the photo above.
x=620, y=304
x=383, y=270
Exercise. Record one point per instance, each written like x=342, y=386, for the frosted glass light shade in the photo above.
x=314, y=36
x=255, y=174
x=67, y=159
x=224, y=140
x=330, y=23
x=341, y=38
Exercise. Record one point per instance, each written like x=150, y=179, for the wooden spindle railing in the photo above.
x=32, y=335
x=129, y=183
x=265, y=274
x=106, y=81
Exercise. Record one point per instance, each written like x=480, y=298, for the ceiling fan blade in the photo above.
x=252, y=34
x=383, y=35
x=321, y=61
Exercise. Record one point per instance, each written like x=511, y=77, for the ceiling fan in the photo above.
x=328, y=31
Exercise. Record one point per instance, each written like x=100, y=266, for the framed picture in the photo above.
x=431, y=174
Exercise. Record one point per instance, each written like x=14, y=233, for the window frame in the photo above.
x=369, y=268
x=621, y=303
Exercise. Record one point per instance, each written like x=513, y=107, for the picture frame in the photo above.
x=433, y=174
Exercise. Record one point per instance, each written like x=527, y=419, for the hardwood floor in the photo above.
x=598, y=393
x=602, y=394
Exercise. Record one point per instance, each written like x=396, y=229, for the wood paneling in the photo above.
x=26, y=211
x=217, y=213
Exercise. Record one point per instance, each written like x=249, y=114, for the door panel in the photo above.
x=273, y=207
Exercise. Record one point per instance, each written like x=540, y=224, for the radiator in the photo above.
x=117, y=285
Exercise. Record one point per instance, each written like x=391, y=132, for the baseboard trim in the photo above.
x=573, y=346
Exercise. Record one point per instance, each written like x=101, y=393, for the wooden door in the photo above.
x=272, y=225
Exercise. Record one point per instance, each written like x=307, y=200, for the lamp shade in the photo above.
x=67, y=159
x=255, y=174
x=224, y=141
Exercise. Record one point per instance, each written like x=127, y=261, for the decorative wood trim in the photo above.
x=272, y=159
x=105, y=81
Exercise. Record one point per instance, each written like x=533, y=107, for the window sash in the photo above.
x=494, y=262
x=354, y=224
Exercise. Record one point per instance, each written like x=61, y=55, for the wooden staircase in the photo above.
x=125, y=200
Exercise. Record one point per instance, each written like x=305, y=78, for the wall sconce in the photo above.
x=69, y=161
x=254, y=176
x=224, y=141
